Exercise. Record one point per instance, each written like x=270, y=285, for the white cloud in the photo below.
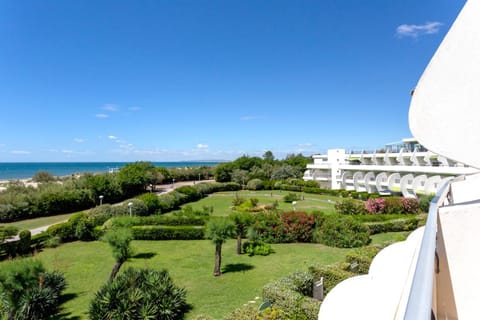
x=101, y=115
x=202, y=146
x=110, y=107
x=79, y=140
x=415, y=30
x=20, y=152
x=112, y=137
x=134, y=108
x=249, y=118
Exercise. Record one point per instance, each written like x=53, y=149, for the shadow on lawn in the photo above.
x=237, y=267
x=144, y=255
x=66, y=315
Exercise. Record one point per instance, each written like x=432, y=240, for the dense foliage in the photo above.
x=28, y=292
x=139, y=294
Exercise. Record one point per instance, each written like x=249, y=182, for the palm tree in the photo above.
x=219, y=230
x=242, y=220
x=119, y=240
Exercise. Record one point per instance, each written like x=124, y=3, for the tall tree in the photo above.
x=219, y=230
x=119, y=240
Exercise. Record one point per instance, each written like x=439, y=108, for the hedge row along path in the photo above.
x=160, y=189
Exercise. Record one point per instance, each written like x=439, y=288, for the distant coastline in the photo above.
x=26, y=170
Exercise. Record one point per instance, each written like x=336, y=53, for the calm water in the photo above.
x=24, y=170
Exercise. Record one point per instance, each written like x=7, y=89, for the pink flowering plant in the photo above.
x=410, y=205
x=375, y=206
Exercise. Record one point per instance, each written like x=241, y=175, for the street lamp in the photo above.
x=173, y=183
x=199, y=177
x=294, y=203
x=151, y=188
x=130, y=205
x=101, y=199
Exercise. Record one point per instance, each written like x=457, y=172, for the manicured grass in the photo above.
x=87, y=266
x=222, y=201
x=38, y=222
x=389, y=237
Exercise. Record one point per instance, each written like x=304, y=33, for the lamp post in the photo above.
x=173, y=183
x=151, y=188
x=199, y=177
x=294, y=203
x=130, y=205
x=101, y=199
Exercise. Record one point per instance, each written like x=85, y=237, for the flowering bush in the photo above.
x=297, y=225
x=410, y=205
x=375, y=206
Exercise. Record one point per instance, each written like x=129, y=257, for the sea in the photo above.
x=26, y=170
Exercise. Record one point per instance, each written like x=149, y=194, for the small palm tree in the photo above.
x=119, y=240
x=242, y=221
x=219, y=230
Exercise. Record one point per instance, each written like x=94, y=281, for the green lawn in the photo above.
x=222, y=201
x=38, y=222
x=87, y=266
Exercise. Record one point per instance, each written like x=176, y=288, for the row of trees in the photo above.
x=267, y=168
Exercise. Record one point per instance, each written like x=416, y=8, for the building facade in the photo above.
x=404, y=167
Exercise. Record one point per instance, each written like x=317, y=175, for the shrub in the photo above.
x=255, y=184
x=350, y=207
x=297, y=226
x=151, y=201
x=393, y=205
x=331, y=274
x=168, y=232
x=191, y=193
x=394, y=225
x=410, y=205
x=299, y=281
x=237, y=201
x=258, y=248
x=7, y=232
x=375, y=206
x=64, y=230
x=424, y=203
x=362, y=258
x=43, y=176
x=247, y=312
x=23, y=245
x=290, y=197
x=343, y=232
x=139, y=294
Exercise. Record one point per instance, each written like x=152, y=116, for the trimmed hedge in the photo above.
x=168, y=232
x=394, y=225
x=332, y=274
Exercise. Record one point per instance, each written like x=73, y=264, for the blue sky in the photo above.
x=204, y=79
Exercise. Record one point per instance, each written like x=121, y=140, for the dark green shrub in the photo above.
x=342, y=231
x=332, y=275
x=43, y=176
x=290, y=197
x=255, y=184
x=151, y=201
x=191, y=193
x=168, y=232
x=299, y=281
x=257, y=248
x=7, y=232
x=424, y=203
x=23, y=245
x=350, y=207
x=237, y=201
x=360, y=259
x=139, y=294
x=64, y=230
x=394, y=225
x=393, y=205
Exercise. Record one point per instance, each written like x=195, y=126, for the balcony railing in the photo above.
x=419, y=306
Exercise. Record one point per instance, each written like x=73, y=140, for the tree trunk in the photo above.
x=239, y=243
x=218, y=260
x=115, y=269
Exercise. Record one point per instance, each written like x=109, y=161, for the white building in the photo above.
x=404, y=167
x=434, y=273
